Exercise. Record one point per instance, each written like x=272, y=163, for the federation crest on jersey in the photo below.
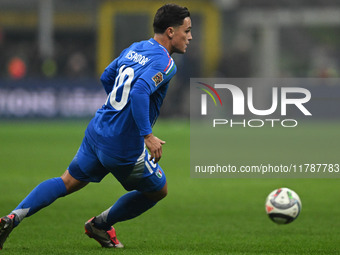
x=157, y=78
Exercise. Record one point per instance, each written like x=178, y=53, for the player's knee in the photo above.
x=72, y=184
x=157, y=195
x=163, y=193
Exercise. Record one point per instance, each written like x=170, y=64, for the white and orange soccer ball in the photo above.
x=283, y=205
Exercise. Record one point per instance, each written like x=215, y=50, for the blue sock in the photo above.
x=127, y=207
x=42, y=195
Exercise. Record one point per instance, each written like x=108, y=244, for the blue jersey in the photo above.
x=136, y=83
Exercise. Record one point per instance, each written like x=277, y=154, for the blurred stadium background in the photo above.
x=53, y=52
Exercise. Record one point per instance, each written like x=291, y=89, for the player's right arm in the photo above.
x=109, y=75
x=108, y=78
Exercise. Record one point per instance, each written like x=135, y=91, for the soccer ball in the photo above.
x=283, y=205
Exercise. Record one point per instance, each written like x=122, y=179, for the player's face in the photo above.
x=181, y=36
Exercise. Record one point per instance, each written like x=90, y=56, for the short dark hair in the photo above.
x=169, y=15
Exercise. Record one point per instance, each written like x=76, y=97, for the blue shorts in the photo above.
x=91, y=165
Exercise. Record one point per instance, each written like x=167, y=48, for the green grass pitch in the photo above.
x=199, y=216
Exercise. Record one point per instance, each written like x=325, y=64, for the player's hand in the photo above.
x=154, y=145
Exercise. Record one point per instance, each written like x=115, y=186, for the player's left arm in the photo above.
x=154, y=145
x=153, y=78
x=140, y=103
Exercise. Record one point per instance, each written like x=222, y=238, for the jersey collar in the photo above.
x=153, y=41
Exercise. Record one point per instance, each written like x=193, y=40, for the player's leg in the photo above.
x=45, y=194
x=157, y=195
x=149, y=186
x=127, y=207
x=72, y=184
x=48, y=191
x=41, y=196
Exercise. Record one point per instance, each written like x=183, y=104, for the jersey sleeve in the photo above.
x=159, y=73
x=109, y=75
x=140, y=102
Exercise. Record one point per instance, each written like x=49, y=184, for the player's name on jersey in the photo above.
x=136, y=57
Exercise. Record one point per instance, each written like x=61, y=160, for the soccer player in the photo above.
x=119, y=139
